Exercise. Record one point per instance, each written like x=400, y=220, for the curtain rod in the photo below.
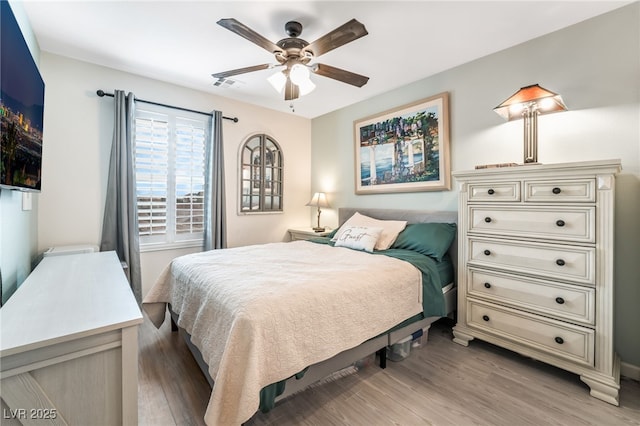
x=102, y=93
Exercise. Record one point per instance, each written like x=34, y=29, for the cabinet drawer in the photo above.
x=571, y=224
x=571, y=302
x=497, y=191
x=561, y=339
x=546, y=260
x=572, y=191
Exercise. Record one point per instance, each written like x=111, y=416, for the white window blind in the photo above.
x=189, y=177
x=170, y=155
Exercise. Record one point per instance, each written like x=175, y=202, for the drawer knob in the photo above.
x=487, y=219
x=559, y=300
x=485, y=317
x=560, y=262
x=487, y=285
x=556, y=190
x=487, y=252
x=560, y=223
x=491, y=192
x=559, y=340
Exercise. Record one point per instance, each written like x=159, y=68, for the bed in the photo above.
x=268, y=329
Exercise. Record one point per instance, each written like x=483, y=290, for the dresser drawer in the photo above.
x=561, y=339
x=569, y=224
x=562, y=301
x=545, y=260
x=496, y=191
x=571, y=191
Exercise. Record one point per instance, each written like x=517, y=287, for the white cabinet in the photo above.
x=69, y=347
x=536, y=265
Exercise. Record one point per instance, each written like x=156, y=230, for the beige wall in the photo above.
x=594, y=65
x=78, y=132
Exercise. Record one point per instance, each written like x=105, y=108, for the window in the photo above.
x=170, y=156
x=261, y=175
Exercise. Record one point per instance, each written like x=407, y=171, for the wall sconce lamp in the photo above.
x=318, y=200
x=528, y=103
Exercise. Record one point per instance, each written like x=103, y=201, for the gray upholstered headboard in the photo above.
x=411, y=216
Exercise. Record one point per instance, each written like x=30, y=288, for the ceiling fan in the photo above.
x=294, y=54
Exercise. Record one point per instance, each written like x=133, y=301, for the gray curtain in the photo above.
x=120, y=224
x=215, y=223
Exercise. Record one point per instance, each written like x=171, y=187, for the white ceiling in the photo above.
x=180, y=42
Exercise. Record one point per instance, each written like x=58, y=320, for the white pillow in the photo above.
x=390, y=229
x=359, y=238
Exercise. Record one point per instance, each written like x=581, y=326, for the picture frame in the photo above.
x=404, y=149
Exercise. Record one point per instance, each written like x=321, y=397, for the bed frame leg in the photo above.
x=382, y=353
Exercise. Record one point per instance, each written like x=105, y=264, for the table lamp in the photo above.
x=528, y=103
x=318, y=200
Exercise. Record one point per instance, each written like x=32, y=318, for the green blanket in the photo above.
x=432, y=304
x=432, y=297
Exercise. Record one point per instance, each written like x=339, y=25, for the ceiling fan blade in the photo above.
x=342, y=35
x=291, y=90
x=229, y=73
x=246, y=32
x=340, y=75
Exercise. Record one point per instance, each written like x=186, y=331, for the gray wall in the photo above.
x=594, y=65
x=18, y=240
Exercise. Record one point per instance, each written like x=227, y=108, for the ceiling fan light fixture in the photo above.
x=278, y=80
x=306, y=87
x=299, y=74
x=295, y=53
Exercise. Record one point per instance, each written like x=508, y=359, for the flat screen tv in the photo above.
x=21, y=108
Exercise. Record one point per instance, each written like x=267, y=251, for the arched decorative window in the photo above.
x=261, y=175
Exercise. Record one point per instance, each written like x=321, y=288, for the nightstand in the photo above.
x=305, y=232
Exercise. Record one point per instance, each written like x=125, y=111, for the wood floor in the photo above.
x=441, y=383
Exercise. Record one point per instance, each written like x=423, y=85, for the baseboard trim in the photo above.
x=629, y=370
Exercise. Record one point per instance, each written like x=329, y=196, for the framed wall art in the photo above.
x=405, y=149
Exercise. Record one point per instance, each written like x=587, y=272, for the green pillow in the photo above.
x=431, y=239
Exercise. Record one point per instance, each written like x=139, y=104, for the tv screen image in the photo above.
x=21, y=108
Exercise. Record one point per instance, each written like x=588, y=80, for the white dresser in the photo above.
x=536, y=265
x=69, y=345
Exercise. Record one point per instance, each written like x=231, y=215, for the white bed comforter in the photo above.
x=260, y=314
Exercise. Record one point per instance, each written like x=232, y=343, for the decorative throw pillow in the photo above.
x=359, y=238
x=431, y=239
x=390, y=229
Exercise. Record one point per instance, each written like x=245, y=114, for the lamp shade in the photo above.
x=319, y=199
x=278, y=80
x=299, y=74
x=306, y=86
x=530, y=98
